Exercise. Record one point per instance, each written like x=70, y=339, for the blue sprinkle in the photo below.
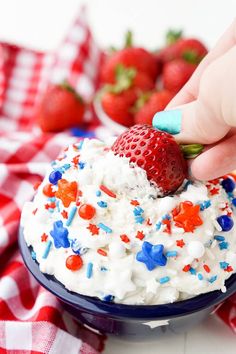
x=53, y=163
x=51, y=210
x=164, y=280
x=77, y=249
x=89, y=271
x=80, y=145
x=166, y=216
x=234, y=202
x=58, y=205
x=212, y=279
x=102, y=204
x=225, y=222
x=52, y=199
x=71, y=215
x=223, y=265
x=33, y=255
x=138, y=211
x=108, y=298
x=171, y=253
x=158, y=226
x=47, y=249
x=55, y=176
x=200, y=276
x=103, y=269
x=219, y=238
x=204, y=205
x=187, y=184
x=105, y=228
x=152, y=255
x=228, y=185
x=81, y=165
x=98, y=193
x=223, y=245
x=60, y=235
x=192, y=271
x=139, y=219
x=66, y=166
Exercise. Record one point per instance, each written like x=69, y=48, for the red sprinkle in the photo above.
x=50, y=206
x=87, y=211
x=148, y=222
x=74, y=262
x=214, y=191
x=228, y=269
x=36, y=185
x=93, y=229
x=102, y=252
x=35, y=211
x=64, y=214
x=186, y=268
x=44, y=237
x=180, y=243
x=134, y=202
x=75, y=160
x=125, y=238
x=107, y=191
x=140, y=235
x=207, y=268
x=167, y=222
x=47, y=190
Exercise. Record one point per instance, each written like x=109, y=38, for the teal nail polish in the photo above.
x=168, y=121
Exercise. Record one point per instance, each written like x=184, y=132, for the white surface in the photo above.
x=42, y=24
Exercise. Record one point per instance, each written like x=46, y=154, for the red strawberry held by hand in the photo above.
x=60, y=108
x=157, y=153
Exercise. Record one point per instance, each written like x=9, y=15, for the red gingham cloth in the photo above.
x=31, y=319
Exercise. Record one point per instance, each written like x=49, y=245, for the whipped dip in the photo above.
x=99, y=226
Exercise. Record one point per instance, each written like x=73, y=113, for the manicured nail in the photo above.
x=168, y=121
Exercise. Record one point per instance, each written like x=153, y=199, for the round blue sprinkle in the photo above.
x=225, y=222
x=200, y=276
x=228, y=184
x=108, y=298
x=98, y=193
x=234, y=202
x=54, y=177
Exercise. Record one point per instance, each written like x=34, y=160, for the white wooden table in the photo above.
x=41, y=24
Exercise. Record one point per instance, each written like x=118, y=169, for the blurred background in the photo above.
x=41, y=24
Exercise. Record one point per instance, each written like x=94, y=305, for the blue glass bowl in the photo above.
x=132, y=322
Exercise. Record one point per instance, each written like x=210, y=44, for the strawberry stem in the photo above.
x=128, y=39
x=172, y=36
x=191, y=151
x=66, y=86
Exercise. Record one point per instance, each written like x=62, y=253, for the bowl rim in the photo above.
x=96, y=306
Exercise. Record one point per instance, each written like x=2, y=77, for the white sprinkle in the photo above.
x=217, y=226
x=196, y=249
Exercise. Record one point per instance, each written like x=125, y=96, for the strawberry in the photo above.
x=118, y=105
x=157, y=153
x=181, y=48
x=60, y=108
x=176, y=73
x=130, y=77
x=156, y=102
x=138, y=58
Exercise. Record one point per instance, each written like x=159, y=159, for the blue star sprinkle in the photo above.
x=60, y=235
x=151, y=255
x=225, y=222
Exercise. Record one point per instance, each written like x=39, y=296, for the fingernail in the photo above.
x=168, y=121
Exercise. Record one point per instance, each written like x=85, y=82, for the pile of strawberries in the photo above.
x=138, y=83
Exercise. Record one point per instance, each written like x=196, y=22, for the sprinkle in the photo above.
x=134, y=202
x=89, y=271
x=60, y=235
x=66, y=167
x=166, y=217
x=223, y=265
x=148, y=222
x=33, y=255
x=214, y=191
x=102, y=252
x=102, y=204
x=81, y=165
x=64, y=214
x=234, y=202
x=228, y=269
x=125, y=238
x=158, y=226
x=206, y=204
x=200, y=276
x=77, y=249
x=75, y=160
x=138, y=211
x=47, y=250
x=93, y=229
x=71, y=215
x=55, y=176
x=219, y=238
x=139, y=219
x=171, y=253
x=80, y=145
x=50, y=206
x=140, y=235
x=192, y=271
x=108, y=298
x=212, y=279
x=107, y=191
x=98, y=193
x=36, y=185
x=207, y=268
x=74, y=262
x=44, y=237
x=168, y=226
x=51, y=210
x=164, y=280
x=86, y=211
x=105, y=228
x=34, y=211
x=103, y=269
x=151, y=255
x=187, y=216
x=225, y=222
x=187, y=184
x=180, y=243
x=223, y=245
x=186, y=268
x=228, y=185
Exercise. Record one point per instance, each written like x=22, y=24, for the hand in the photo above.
x=205, y=110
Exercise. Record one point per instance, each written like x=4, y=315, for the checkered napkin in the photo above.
x=31, y=319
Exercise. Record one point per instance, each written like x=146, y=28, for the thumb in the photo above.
x=193, y=122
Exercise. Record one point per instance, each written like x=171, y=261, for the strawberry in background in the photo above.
x=60, y=108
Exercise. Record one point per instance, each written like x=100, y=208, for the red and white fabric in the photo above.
x=31, y=319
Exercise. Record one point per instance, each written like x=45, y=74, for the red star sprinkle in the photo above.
x=64, y=214
x=228, y=269
x=93, y=229
x=44, y=237
x=125, y=238
x=75, y=160
x=167, y=229
x=134, y=202
x=188, y=216
x=67, y=191
x=140, y=235
x=35, y=211
x=180, y=243
x=214, y=191
x=50, y=206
